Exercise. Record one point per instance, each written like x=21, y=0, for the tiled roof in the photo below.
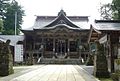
x=61, y=25
x=62, y=19
x=14, y=39
x=107, y=24
x=75, y=21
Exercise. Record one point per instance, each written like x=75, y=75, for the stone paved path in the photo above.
x=56, y=73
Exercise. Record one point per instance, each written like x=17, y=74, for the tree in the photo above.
x=9, y=21
x=116, y=9
x=3, y=4
x=106, y=11
x=1, y=25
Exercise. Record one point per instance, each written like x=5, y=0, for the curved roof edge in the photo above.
x=62, y=16
x=107, y=21
x=62, y=25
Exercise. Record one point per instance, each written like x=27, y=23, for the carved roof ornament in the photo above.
x=62, y=12
x=61, y=22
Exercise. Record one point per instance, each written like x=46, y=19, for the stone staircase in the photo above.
x=59, y=61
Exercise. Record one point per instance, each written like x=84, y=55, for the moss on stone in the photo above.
x=101, y=70
x=6, y=59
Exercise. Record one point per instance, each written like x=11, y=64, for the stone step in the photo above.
x=59, y=61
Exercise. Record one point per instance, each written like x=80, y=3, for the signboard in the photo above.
x=119, y=39
x=119, y=53
x=18, y=53
x=103, y=39
x=93, y=47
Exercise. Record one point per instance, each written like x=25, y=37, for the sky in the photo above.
x=52, y=7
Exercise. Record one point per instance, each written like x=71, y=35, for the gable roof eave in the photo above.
x=61, y=14
x=56, y=26
x=91, y=30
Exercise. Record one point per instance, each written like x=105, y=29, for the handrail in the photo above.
x=39, y=60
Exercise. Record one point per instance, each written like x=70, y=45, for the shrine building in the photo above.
x=57, y=37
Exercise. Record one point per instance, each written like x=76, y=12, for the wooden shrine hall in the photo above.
x=57, y=37
x=107, y=32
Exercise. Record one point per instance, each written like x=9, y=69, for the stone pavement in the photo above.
x=56, y=73
x=20, y=70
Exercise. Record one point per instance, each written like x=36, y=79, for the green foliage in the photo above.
x=1, y=25
x=117, y=61
x=106, y=11
x=116, y=9
x=110, y=10
x=106, y=79
x=115, y=76
x=9, y=21
x=3, y=4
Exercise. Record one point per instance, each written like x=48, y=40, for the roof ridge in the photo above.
x=62, y=16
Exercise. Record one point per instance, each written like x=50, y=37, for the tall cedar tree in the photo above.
x=3, y=4
x=9, y=21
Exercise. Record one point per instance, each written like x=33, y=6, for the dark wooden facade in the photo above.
x=110, y=38
x=60, y=39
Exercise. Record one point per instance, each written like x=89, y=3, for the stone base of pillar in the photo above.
x=68, y=57
x=6, y=69
x=80, y=59
x=42, y=57
x=53, y=57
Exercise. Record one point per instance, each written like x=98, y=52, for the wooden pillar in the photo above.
x=25, y=59
x=68, y=48
x=65, y=47
x=30, y=59
x=42, y=46
x=56, y=48
x=80, y=47
x=85, y=57
x=109, y=54
x=90, y=56
x=34, y=44
x=53, y=47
